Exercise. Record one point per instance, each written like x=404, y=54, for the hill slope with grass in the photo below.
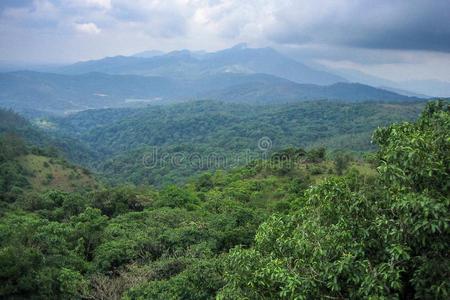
x=46, y=173
x=30, y=161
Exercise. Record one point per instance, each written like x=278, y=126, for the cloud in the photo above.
x=367, y=24
x=104, y=4
x=382, y=24
x=98, y=3
x=31, y=13
x=87, y=28
x=155, y=18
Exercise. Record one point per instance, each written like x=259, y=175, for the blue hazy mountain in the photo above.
x=32, y=92
x=185, y=64
x=48, y=93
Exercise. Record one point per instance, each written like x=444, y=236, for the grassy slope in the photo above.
x=53, y=173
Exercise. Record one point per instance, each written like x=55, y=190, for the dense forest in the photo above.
x=120, y=143
x=304, y=222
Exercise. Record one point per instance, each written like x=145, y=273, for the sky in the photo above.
x=394, y=39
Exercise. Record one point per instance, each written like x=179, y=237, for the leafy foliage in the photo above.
x=286, y=227
x=349, y=239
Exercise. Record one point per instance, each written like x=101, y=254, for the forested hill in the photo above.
x=224, y=124
x=11, y=122
x=123, y=137
x=66, y=146
x=30, y=162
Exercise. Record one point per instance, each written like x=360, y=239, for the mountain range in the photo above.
x=35, y=93
x=185, y=64
x=238, y=74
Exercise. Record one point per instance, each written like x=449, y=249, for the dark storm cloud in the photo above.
x=407, y=25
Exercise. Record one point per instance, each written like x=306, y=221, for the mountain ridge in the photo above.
x=188, y=64
x=50, y=93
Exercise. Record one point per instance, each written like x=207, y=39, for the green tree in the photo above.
x=88, y=230
x=174, y=196
x=341, y=163
x=38, y=260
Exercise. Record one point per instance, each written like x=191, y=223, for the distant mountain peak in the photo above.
x=184, y=53
x=240, y=46
x=148, y=53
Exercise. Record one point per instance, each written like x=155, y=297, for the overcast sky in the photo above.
x=396, y=39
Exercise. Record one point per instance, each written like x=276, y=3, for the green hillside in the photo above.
x=54, y=173
x=30, y=161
